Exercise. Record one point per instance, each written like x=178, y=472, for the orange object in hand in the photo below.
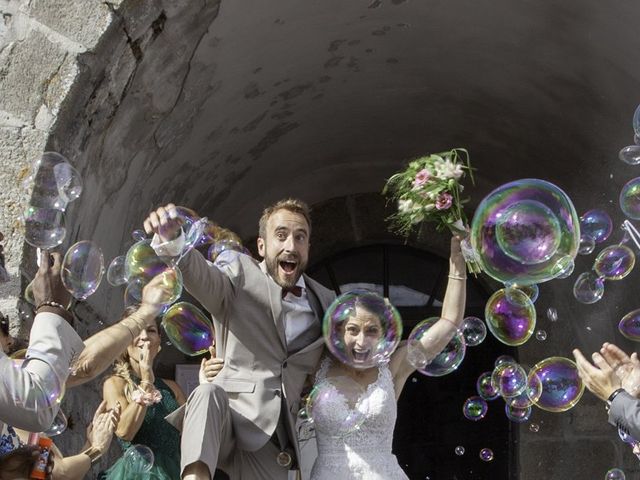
x=39, y=471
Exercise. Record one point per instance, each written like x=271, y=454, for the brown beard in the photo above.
x=272, y=268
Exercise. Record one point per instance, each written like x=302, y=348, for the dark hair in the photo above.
x=4, y=325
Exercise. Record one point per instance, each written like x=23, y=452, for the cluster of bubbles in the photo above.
x=54, y=184
x=362, y=329
x=552, y=385
x=614, y=262
x=525, y=232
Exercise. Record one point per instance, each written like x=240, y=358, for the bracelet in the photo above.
x=143, y=398
x=50, y=303
x=458, y=277
x=93, y=453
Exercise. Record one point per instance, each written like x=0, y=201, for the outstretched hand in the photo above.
x=209, y=369
x=164, y=222
x=601, y=378
x=626, y=367
x=47, y=285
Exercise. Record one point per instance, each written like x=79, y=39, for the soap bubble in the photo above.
x=630, y=154
x=485, y=388
x=362, y=329
x=55, y=182
x=193, y=228
x=44, y=227
x=82, y=269
x=116, y=272
x=630, y=199
x=141, y=261
x=474, y=331
x=529, y=396
x=475, y=408
x=614, y=262
x=541, y=335
x=459, y=450
x=189, y=330
x=486, y=454
x=629, y=326
x=133, y=292
x=587, y=245
x=509, y=379
x=517, y=415
x=433, y=363
x=523, y=229
x=139, y=235
x=562, y=387
x=534, y=427
x=597, y=224
x=615, y=474
x=336, y=406
x=532, y=291
x=511, y=320
x=138, y=460
x=636, y=121
x=58, y=426
x=170, y=280
x=564, y=268
x=589, y=288
x=552, y=314
x=504, y=359
x=220, y=246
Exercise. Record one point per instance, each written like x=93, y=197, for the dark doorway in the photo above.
x=430, y=422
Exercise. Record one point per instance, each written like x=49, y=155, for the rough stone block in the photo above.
x=83, y=22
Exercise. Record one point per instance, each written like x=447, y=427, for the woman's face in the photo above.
x=362, y=332
x=149, y=335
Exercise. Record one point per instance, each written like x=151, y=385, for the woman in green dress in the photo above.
x=145, y=401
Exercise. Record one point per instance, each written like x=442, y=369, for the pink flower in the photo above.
x=444, y=201
x=422, y=177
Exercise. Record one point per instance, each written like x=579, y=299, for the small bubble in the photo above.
x=414, y=380
x=541, y=335
x=589, y=328
x=552, y=314
x=534, y=427
x=486, y=455
x=459, y=450
x=168, y=343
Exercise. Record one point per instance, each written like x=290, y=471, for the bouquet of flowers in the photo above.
x=429, y=190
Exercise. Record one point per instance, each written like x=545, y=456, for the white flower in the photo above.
x=446, y=169
x=405, y=206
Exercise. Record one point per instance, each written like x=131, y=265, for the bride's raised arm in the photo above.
x=450, y=320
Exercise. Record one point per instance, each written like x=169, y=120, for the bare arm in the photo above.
x=443, y=330
x=132, y=413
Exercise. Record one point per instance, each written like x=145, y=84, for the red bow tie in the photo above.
x=295, y=290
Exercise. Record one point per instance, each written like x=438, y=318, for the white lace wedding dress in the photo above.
x=366, y=453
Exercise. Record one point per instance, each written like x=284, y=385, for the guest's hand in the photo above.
x=148, y=353
x=600, y=379
x=17, y=464
x=164, y=222
x=626, y=367
x=209, y=369
x=100, y=430
x=47, y=285
x=156, y=295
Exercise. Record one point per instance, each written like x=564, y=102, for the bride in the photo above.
x=366, y=453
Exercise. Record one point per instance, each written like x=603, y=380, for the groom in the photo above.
x=267, y=319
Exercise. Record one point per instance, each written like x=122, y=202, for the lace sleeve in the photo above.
x=321, y=374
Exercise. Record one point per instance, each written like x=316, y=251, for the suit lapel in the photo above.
x=275, y=300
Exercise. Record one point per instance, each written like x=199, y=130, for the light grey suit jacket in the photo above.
x=246, y=305
x=625, y=414
x=27, y=399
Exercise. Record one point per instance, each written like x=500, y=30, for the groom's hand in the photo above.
x=164, y=221
x=209, y=369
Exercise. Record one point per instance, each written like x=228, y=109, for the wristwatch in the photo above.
x=607, y=404
x=93, y=453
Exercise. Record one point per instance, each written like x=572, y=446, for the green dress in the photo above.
x=161, y=437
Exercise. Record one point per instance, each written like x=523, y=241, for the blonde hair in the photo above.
x=291, y=204
x=121, y=366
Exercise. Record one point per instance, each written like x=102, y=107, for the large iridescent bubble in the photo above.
x=562, y=387
x=614, y=262
x=82, y=269
x=630, y=199
x=362, y=329
x=523, y=229
x=475, y=408
x=510, y=318
x=55, y=182
x=629, y=326
x=424, y=349
x=44, y=227
x=588, y=288
x=188, y=329
x=336, y=406
x=596, y=224
x=509, y=379
x=116, y=272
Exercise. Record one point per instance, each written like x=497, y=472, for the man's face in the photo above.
x=285, y=247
